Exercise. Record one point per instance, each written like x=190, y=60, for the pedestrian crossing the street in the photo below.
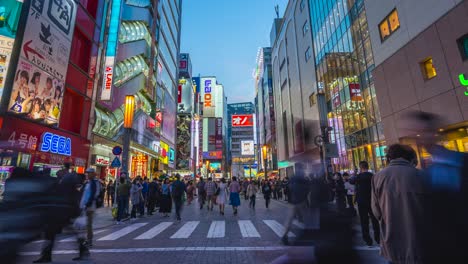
x=216, y=229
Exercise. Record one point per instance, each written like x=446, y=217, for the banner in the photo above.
x=42, y=68
x=219, y=134
x=247, y=148
x=183, y=142
x=36, y=94
x=242, y=120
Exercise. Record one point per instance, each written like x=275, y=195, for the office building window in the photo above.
x=389, y=25
x=302, y=5
x=308, y=54
x=463, y=46
x=312, y=100
x=305, y=28
x=428, y=69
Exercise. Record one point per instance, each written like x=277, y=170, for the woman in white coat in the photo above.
x=221, y=195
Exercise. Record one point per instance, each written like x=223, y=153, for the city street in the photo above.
x=201, y=237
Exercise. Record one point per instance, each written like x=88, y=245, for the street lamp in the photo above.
x=129, y=112
x=264, y=151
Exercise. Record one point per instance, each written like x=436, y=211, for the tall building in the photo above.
x=421, y=63
x=169, y=12
x=213, y=127
x=129, y=68
x=294, y=89
x=46, y=90
x=265, y=109
x=343, y=58
x=241, y=128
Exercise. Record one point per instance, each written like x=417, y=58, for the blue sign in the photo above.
x=55, y=144
x=117, y=150
x=196, y=82
x=171, y=155
x=116, y=163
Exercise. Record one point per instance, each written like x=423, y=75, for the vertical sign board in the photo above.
x=43, y=62
x=111, y=50
x=208, y=96
x=219, y=133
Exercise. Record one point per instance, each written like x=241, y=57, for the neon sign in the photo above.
x=56, y=144
x=463, y=82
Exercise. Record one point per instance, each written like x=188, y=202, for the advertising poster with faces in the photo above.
x=36, y=95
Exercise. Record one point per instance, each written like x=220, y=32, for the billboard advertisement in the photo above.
x=247, y=148
x=169, y=119
x=242, y=120
x=164, y=155
x=183, y=142
x=8, y=27
x=185, y=96
x=214, y=155
x=42, y=67
x=36, y=94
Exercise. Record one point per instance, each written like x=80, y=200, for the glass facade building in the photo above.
x=344, y=63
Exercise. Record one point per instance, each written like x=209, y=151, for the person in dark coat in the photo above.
x=266, y=190
x=363, y=183
x=166, y=201
x=153, y=191
x=178, y=191
x=340, y=193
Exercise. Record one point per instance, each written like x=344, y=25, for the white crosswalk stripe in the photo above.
x=217, y=229
x=154, y=231
x=248, y=229
x=73, y=238
x=277, y=228
x=122, y=232
x=186, y=230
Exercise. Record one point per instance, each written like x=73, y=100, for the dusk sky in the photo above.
x=223, y=37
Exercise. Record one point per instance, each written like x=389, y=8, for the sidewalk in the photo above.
x=102, y=219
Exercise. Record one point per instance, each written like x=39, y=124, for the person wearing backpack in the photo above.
x=178, y=190
x=90, y=200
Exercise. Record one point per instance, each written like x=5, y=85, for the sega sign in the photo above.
x=55, y=144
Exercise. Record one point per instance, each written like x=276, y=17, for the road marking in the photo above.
x=298, y=224
x=186, y=230
x=217, y=229
x=248, y=229
x=154, y=231
x=277, y=228
x=122, y=232
x=167, y=249
x=73, y=238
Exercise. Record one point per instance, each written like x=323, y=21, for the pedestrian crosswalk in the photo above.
x=185, y=230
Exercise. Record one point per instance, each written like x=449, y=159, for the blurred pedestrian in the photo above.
x=65, y=170
x=234, y=197
x=67, y=191
x=399, y=194
x=190, y=192
x=201, y=192
x=245, y=184
x=88, y=202
x=446, y=213
x=251, y=193
x=136, y=197
x=123, y=195
x=210, y=190
x=221, y=196
x=166, y=201
x=363, y=184
x=110, y=192
x=340, y=193
x=144, y=195
x=266, y=190
x=178, y=191
x=350, y=191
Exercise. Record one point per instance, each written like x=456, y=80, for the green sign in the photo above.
x=463, y=82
